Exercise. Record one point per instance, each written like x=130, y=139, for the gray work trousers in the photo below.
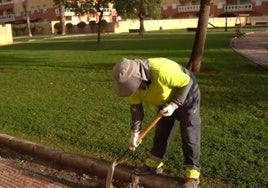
x=190, y=124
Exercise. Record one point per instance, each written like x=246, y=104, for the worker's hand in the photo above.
x=133, y=141
x=169, y=109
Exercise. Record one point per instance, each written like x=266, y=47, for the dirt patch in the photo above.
x=2, y=70
x=64, y=175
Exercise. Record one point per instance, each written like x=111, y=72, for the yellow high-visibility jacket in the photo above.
x=166, y=78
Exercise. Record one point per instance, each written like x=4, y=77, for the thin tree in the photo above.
x=142, y=16
x=62, y=18
x=61, y=4
x=25, y=6
x=98, y=7
x=87, y=5
x=195, y=60
x=131, y=9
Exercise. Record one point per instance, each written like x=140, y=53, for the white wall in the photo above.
x=6, y=34
x=150, y=25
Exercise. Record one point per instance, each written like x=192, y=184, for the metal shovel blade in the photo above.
x=109, y=177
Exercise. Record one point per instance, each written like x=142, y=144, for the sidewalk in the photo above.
x=253, y=46
x=11, y=177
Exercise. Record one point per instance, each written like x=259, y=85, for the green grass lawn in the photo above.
x=59, y=92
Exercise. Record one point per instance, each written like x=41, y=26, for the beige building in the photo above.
x=44, y=14
x=12, y=11
x=218, y=8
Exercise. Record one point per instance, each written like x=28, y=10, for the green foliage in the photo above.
x=153, y=9
x=87, y=5
x=58, y=27
x=127, y=8
x=38, y=29
x=103, y=24
x=59, y=92
x=58, y=2
x=18, y=29
x=92, y=25
x=130, y=8
x=69, y=27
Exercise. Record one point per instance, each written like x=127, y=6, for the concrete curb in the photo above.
x=91, y=166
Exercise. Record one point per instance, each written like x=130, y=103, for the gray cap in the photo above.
x=127, y=77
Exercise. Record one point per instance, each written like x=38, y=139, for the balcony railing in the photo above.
x=241, y=7
x=189, y=8
x=7, y=18
x=69, y=12
x=7, y=3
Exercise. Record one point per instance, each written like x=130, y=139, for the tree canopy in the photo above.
x=130, y=8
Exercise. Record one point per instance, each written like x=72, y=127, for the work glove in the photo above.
x=133, y=141
x=168, y=109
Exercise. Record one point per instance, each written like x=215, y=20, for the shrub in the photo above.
x=92, y=25
x=81, y=26
x=69, y=27
x=33, y=28
x=58, y=27
x=103, y=24
x=19, y=29
x=40, y=28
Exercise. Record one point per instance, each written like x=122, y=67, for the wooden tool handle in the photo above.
x=149, y=127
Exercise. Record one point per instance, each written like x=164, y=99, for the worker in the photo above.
x=174, y=91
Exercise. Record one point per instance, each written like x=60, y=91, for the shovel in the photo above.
x=110, y=173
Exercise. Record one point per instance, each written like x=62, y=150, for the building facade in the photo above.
x=218, y=8
x=47, y=13
x=13, y=11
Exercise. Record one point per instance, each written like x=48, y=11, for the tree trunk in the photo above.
x=194, y=63
x=99, y=26
x=99, y=22
x=142, y=16
x=27, y=18
x=62, y=18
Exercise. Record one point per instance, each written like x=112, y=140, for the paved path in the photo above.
x=253, y=46
x=11, y=177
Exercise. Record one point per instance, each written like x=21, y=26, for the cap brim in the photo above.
x=127, y=88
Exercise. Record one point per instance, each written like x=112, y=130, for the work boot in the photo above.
x=146, y=170
x=192, y=178
x=191, y=183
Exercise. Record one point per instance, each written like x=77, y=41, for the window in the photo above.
x=44, y=8
x=258, y=3
x=220, y=5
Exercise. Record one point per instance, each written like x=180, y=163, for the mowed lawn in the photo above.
x=58, y=91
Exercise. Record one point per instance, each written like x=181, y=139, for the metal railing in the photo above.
x=7, y=3
x=241, y=7
x=8, y=17
x=189, y=8
x=195, y=8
